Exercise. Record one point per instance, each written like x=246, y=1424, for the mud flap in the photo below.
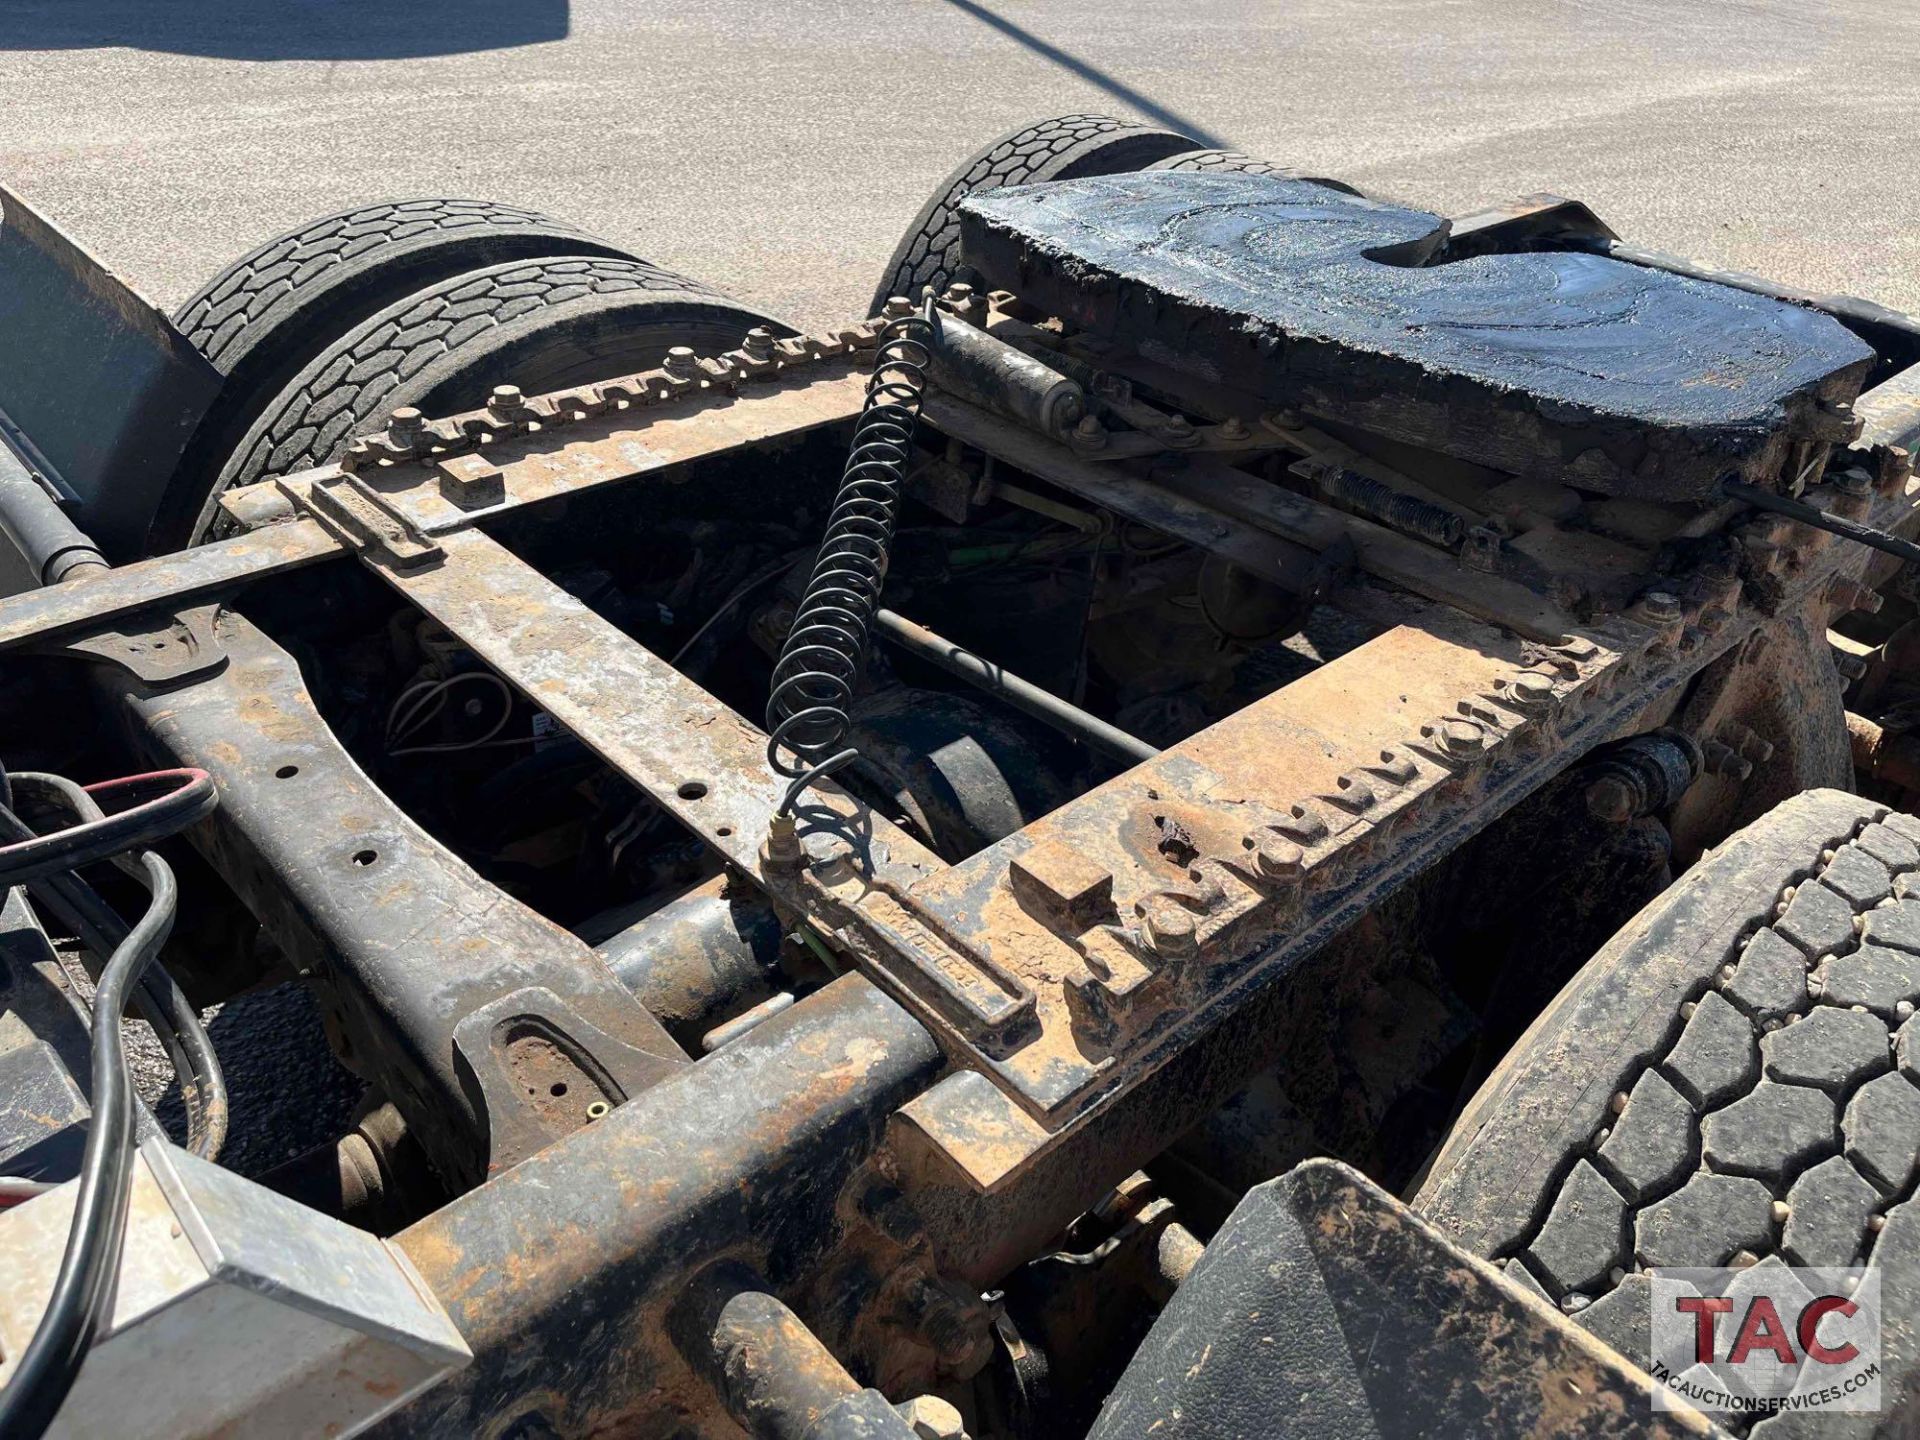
x=1326, y=1308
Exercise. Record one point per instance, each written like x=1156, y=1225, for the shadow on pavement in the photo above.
x=1093, y=74
x=283, y=29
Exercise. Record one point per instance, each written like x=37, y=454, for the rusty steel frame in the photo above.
x=1009, y=1006
x=1071, y=960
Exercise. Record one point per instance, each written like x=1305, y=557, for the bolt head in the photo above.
x=1169, y=927
x=959, y=293
x=931, y=1418
x=1662, y=607
x=404, y=422
x=759, y=342
x=680, y=361
x=1853, y=481
x=1278, y=858
x=897, y=306
x=1459, y=737
x=506, y=397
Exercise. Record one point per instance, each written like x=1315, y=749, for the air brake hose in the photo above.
x=825, y=652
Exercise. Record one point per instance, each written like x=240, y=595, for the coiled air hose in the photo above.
x=825, y=652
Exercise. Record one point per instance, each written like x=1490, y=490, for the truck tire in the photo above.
x=1734, y=1078
x=1235, y=162
x=1064, y=148
x=540, y=324
x=271, y=311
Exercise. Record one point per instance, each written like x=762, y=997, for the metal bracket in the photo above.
x=168, y=651
x=357, y=514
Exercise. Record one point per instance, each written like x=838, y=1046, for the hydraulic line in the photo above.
x=165, y=801
x=826, y=650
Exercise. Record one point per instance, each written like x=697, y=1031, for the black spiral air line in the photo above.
x=826, y=650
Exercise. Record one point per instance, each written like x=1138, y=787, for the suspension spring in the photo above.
x=826, y=650
x=1408, y=513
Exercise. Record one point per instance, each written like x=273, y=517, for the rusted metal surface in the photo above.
x=166, y=582
x=1294, y=814
x=536, y=464
x=405, y=941
x=559, y=1273
x=701, y=761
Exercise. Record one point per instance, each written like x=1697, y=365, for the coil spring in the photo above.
x=826, y=650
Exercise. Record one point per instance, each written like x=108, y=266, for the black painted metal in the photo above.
x=52, y=546
x=98, y=392
x=1881, y=540
x=1569, y=366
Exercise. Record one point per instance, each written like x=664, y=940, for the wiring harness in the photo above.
x=146, y=809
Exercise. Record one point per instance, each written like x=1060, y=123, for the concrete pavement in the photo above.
x=779, y=149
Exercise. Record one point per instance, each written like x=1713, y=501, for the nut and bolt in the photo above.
x=1725, y=760
x=782, y=850
x=404, y=426
x=1277, y=858
x=1529, y=690
x=931, y=1418
x=681, y=363
x=759, y=343
x=1849, y=595
x=1658, y=607
x=506, y=400
x=1169, y=928
x=1090, y=433
x=1233, y=428
x=1178, y=431
x=1854, y=483
x=1459, y=738
x=897, y=307
x=958, y=293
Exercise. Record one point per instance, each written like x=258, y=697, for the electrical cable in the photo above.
x=159, y=1000
x=81, y=1291
x=169, y=800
